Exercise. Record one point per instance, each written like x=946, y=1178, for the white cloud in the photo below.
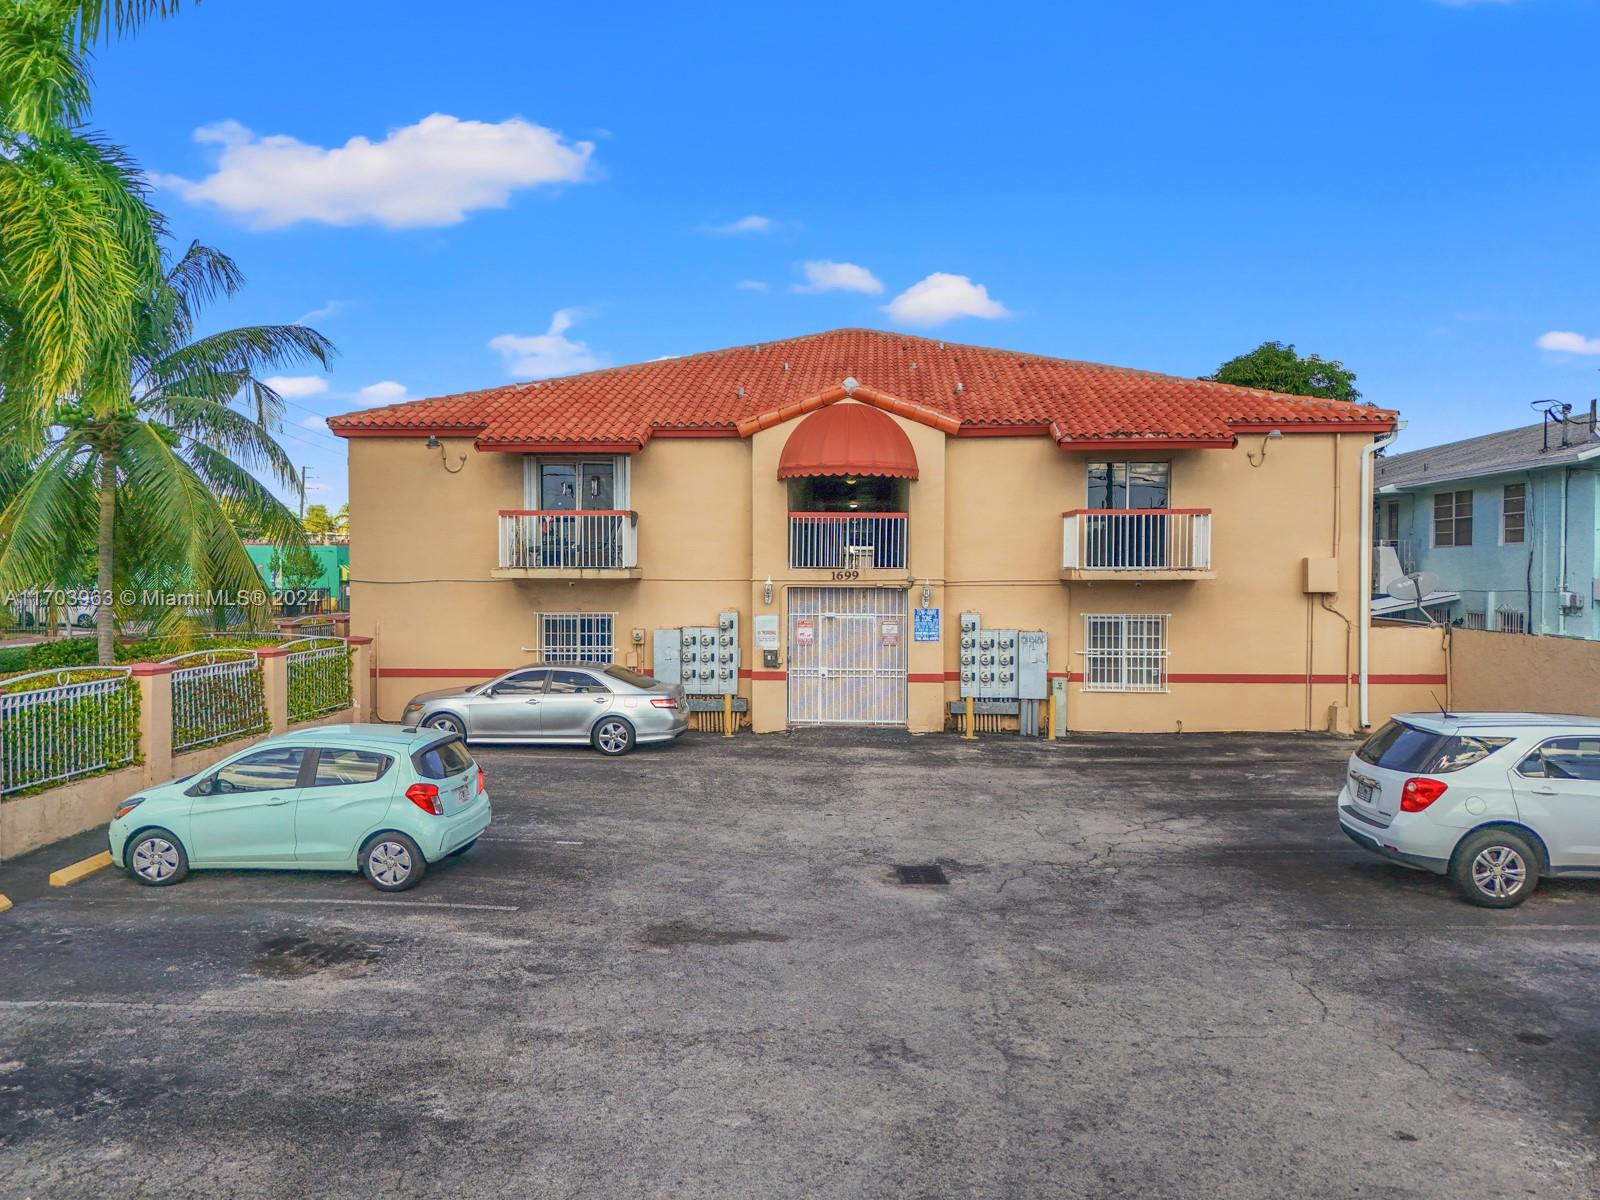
x=543, y=355
x=943, y=297
x=293, y=387
x=750, y=224
x=331, y=309
x=751, y=285
x=432, y=173
x=824, y=276
x=315, y=423
x=386, y=391
x=1565, y=342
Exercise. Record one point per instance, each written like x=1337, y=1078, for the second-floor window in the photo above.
x=574, y=486
x=1452, y=519
x=1514, y=513
x=1129, y=484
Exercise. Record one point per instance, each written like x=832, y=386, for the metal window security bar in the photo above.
x=1155, y=539
x=577, y=637
x=1125, y=653
x=1510, y=620
x=53, y=728
x=847, y=656
x=319, y=678
x=847, y=541
x=216, y=695
x=1475, y=620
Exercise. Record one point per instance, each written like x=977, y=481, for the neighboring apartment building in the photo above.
x=1191, y=550
x=1507, y=523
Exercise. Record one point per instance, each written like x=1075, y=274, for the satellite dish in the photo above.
x=1412, y=587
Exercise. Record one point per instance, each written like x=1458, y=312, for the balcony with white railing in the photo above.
x=1136, y=544
x=850, y=541
x=550, y=544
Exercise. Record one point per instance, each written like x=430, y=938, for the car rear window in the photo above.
x=1401, y=747
x=443, y=759
x=633, y=677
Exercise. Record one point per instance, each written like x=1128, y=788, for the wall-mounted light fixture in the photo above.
x=1257, y=459
x=766, y=591
x=927, y=595
x=434, y=443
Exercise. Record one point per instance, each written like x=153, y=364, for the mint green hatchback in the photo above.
x=379, y=799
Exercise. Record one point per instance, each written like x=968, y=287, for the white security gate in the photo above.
x=847, y=656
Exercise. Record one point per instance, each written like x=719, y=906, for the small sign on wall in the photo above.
x=766, y=631
x=805, y=631
x=889, y=633
x=925, y=625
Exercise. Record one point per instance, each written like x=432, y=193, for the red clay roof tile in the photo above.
x=972, y=388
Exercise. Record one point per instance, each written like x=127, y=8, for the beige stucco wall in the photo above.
x=1517, y=672
x=985, y=534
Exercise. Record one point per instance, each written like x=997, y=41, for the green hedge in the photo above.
x=45, y=745
x=319, y=686
x=82, y=652
x=240, y=699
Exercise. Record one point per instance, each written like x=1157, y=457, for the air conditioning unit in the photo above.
x=859, y=558
x=1571, y=602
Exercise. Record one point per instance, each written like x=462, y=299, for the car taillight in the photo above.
x=480, y=781
x=664, y=701
x=1418, y=793
x=426, y=797
x=127, y=806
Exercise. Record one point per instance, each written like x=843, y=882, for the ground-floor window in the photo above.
x=1509, y=620
x=1125, y=653
x=577, y=637
x=1475, y=620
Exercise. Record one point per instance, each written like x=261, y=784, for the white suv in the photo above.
x=1494, y=800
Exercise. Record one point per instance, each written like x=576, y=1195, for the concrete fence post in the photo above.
x=361, y=687
x=275, y=686
x=155, y=720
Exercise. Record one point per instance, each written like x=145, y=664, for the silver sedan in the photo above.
x=611, y=708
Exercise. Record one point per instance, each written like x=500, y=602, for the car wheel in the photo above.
x=460, y=850
x=156, y=858
x=446, y=722
x=612, y=736
x=392, y=862
x=1496, y=868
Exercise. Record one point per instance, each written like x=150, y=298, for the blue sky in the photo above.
x=1408, y=185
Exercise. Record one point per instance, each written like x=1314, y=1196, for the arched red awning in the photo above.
x=848, y=439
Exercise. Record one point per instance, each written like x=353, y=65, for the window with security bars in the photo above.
x=1510, y=620
x=577, y=637
x=1124, y=653
x=1475, y=620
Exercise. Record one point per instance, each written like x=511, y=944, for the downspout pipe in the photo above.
x=1368, y=453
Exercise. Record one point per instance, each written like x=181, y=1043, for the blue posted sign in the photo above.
x=925, y=625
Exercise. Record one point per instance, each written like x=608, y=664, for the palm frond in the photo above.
x=44, y=78
x=235, y=360
x=97, y=19
x=45, y=524
x=203, y=421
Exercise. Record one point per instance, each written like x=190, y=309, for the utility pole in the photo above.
x=305, y=473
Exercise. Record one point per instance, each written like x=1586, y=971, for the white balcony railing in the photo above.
x=847, y=541
x=540, y=539
x=1147, y=540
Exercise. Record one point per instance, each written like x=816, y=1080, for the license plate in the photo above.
x=461, y=795
x=1366, y=790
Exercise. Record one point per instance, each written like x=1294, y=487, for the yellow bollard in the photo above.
x=727, y=715
x=1050, y=732
x=971, y=730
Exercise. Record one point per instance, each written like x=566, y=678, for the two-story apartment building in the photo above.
x=1507, y=523
x=1192, y=551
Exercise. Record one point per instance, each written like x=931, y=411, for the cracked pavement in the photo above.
x=1159, y=970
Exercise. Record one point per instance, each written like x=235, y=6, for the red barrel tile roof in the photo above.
x=980, y=389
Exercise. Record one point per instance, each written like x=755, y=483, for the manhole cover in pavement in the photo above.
x=920, y=873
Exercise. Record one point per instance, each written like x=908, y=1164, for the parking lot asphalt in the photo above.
x=1158, y=970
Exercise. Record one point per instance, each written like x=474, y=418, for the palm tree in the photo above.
x=142, y=466
x=78, y=238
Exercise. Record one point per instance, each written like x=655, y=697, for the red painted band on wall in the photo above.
x=946, y=677
x=926, y=677
x=770, y=676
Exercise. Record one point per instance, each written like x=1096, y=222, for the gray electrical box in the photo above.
x=1033, y=665
x=727, y=652
x=665, y=650
x=968, y=652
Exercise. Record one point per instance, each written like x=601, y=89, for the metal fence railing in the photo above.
x=541, y=539
x=60, y=724
x=216, y=695
x=847, y=541
x=1136, y=539
x=319, y=677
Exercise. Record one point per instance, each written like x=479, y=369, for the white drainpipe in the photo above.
x=1368, y=452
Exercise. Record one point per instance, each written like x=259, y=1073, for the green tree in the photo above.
x=79, y=241
x=1276, y=367
x=293, y=567
x=145, y=463
x=319, y=522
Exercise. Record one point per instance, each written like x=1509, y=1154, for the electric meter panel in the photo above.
x=727, y=653
x=1001, y=664
x=968, y=654
x=666, y=649
x=1033, y=659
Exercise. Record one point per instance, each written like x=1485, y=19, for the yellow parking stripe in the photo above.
x=5, y=902
x=80, y=870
